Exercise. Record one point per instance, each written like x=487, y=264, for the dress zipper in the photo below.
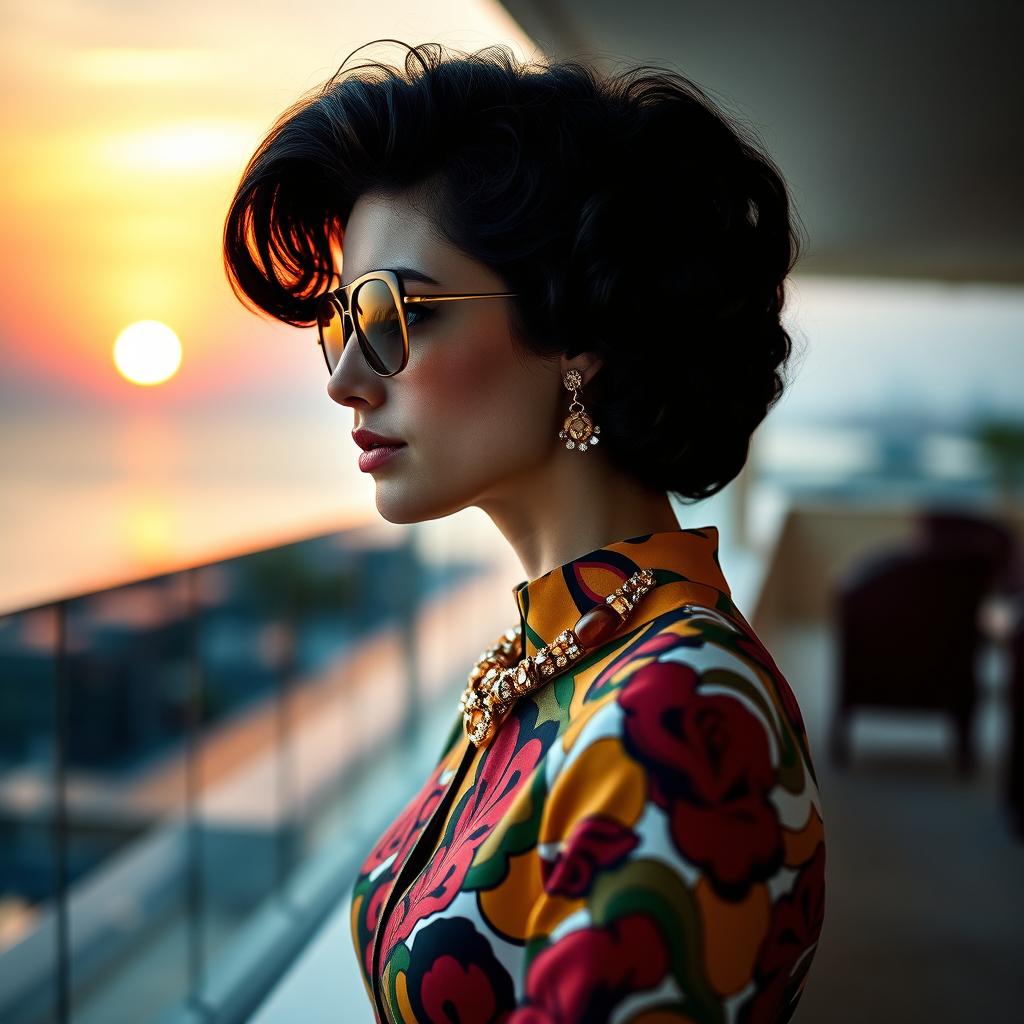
x=399, y=888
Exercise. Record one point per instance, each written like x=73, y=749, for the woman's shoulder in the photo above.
x=679, y=800
x=695, y=682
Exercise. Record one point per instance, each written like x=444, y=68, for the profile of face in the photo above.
x=478, y=415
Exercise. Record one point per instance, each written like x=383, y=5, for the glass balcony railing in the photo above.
x=174, y=754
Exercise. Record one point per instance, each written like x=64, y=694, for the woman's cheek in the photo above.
x=463, y=378
x=475, y=397
x=466, y=380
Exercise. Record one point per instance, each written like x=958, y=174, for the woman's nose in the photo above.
x=353, y=381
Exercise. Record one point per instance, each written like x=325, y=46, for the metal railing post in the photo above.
x=60, y=814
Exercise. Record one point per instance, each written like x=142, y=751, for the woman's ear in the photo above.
x=588, y=363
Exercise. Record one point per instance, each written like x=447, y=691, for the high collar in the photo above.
x=686, y=569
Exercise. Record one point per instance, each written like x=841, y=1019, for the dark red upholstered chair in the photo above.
x=957, y=529
x=908, y=637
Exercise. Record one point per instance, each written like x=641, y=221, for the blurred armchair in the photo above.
x=958, y=529
x=908, y=636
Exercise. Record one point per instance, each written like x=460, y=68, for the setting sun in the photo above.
x=147, y=352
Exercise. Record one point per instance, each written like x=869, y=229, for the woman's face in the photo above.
x=479, y=418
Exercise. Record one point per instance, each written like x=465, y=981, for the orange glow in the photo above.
x=119, y=160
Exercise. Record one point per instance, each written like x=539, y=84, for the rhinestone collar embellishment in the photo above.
x=499, y=677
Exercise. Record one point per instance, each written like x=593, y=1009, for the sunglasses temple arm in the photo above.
x=455, y=298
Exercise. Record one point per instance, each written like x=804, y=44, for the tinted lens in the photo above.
x=380, y=326
x=332, y=331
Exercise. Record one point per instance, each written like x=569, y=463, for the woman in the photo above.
x=623, y=823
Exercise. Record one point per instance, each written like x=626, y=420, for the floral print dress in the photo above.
x=641, y=842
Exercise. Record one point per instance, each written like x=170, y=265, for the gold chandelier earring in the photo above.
x=578, y=430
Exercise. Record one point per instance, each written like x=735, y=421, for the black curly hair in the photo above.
x=632, y=216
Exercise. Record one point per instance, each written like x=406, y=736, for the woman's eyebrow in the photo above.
x=406, y=274
x=411, y=274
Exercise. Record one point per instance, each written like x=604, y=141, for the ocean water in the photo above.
x=90, y=501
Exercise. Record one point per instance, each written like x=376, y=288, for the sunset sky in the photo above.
x=123, y=132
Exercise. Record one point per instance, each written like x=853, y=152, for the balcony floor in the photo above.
x=924, y=911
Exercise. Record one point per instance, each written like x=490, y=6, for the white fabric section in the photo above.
x=576, y=920
x=548, y=851
x=734, y=1003
x=637, y=1001
x=794, y=808
x=782, y=882
x=700, y=613
x=382, y=865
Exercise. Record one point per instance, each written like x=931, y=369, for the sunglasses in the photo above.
x=370, y=306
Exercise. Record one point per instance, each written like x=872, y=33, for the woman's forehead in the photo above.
x=393, y=232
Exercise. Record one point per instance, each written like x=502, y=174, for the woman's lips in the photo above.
x=374, y=457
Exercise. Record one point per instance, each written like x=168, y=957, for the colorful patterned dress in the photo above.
x=640, y=843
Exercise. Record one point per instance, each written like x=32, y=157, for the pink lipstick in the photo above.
x=375, y=457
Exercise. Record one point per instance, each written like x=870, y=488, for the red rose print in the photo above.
x=710, y=770
x=595, y=843
x=589, y=969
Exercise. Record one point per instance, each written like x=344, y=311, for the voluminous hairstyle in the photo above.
x=633, y=218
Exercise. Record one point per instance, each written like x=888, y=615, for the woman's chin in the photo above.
x=398, y=502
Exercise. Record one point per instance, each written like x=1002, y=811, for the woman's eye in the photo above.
x=417, y=315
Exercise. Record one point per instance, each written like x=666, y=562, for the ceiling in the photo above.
x=898, y=126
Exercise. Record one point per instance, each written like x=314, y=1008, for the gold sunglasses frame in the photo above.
x=342, y=299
